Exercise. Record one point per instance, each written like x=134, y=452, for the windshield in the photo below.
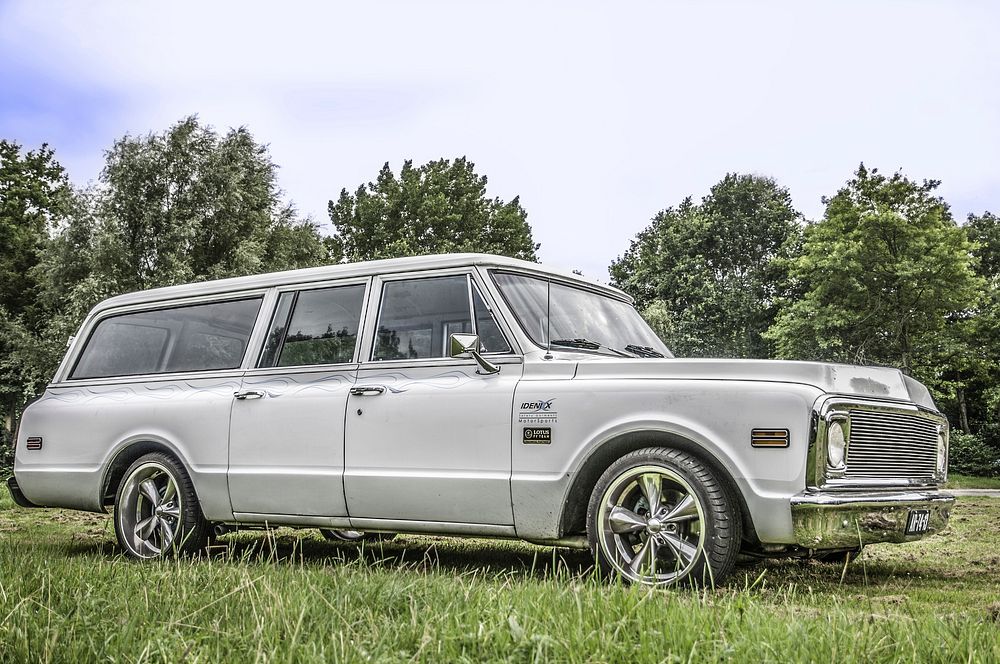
x=580, y=319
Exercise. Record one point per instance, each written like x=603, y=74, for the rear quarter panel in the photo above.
x=84, y=427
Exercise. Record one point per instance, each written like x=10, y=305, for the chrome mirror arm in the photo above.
x=486, y=367
x=468, y=345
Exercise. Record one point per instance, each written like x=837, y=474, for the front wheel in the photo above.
x=660, y=517
x=156, y=510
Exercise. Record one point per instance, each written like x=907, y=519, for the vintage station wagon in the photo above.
x=470, y=395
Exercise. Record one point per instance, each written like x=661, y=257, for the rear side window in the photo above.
x=201, y=337
x=314, y=327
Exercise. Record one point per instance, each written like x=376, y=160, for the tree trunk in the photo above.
x=963, y=411
x=905, y=346
x=9, y=416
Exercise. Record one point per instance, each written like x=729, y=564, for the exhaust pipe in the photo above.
x=221, y=529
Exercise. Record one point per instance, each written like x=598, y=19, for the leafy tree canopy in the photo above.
x=713, y=269
x=187, y=204
x=34, y=195
x=190, y=204
x=881, y=274
x=982, y=357
x=438, y=207
x=984, y=232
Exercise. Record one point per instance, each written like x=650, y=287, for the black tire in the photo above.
x=694, y=532
x=355, y=535
x=157, y=514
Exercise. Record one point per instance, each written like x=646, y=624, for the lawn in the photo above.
x=970, y=482
x=289, y=596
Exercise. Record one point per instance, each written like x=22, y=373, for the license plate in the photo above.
x=917, y=522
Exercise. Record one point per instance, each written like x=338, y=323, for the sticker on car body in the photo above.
x=538, y=412
x=536, y=436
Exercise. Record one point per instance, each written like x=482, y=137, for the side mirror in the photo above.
x=467, y=345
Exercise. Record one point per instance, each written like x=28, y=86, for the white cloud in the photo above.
x=598, y=115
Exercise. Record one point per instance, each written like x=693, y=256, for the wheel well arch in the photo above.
x=124, y=457
x=574, y=512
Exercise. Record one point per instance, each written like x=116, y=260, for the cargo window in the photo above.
x=201, y=337
x=314, y=327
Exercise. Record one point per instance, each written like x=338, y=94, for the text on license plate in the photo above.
x=917, y=522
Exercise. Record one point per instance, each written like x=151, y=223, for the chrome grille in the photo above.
x=886, y=444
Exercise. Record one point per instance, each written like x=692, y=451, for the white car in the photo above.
x=470, y=395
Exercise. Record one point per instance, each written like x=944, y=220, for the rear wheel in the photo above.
x=156, y=510
x=660, y=517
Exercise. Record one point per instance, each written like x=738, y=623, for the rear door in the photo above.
x=286, y=449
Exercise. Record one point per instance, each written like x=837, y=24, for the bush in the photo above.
x=6, y=453
x=970, y=454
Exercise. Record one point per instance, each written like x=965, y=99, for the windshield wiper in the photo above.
x=587, y=344
x=643, y=351
x=632, y=350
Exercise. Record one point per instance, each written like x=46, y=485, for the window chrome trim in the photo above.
x=550, y=279
x=93, y=324
x=375, y=301
x=295, y=290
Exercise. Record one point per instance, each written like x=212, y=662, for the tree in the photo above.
x=984, y=232
x=658, y=318
x=71, y=281
x=881, y=274
x=983, y=374
x=34, y=195
x=189, y=205
x=714, y=269
x=438, y=207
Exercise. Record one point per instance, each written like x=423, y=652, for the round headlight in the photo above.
x=836, y=444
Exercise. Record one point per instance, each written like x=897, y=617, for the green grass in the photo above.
x=66, y=595
x=970, y=482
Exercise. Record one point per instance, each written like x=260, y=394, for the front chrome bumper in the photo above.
x=850, y=519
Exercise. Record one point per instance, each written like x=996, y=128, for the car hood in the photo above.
x=872, y=382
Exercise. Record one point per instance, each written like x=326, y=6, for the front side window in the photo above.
x=201, y=337
x=314, y=327
x=569, y=317
x=418, y=315
x=491, y=339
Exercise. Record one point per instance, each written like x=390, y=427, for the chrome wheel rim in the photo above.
x=149, y=510
x=651, y=525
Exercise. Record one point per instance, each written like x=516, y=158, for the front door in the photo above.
x=286, y=452
x=428, y=438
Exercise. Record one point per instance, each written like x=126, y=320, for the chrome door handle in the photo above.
x=367, y=390
x=248, y=394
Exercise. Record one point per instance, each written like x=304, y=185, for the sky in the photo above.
x=597, y=115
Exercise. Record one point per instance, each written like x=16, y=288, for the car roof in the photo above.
x=347, y=270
